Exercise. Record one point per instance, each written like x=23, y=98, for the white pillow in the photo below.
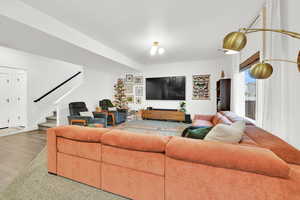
x=86, y=114
x=227, y=133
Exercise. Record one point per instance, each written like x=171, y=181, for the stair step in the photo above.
x=51, y=119
x=45, y=126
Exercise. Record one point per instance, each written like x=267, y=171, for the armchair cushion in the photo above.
x=231, y=156
x=76, y=107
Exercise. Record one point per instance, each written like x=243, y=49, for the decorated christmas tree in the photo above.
x=120, y=98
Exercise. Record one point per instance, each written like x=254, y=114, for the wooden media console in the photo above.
x=163, y=114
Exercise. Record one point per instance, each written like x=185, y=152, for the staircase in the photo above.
x=50, y=122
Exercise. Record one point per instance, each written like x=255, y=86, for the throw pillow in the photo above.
x=112, y=109
x=86, y=114
x=227, y=133
x=186, y=130
x=198, y=133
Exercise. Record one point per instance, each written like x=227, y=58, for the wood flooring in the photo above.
x=16, y=152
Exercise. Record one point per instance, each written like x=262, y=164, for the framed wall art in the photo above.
x=129, y=88
x=139, y=91
x=201, y=87
x=129, y=78
x=138, y=80
x=138, y=100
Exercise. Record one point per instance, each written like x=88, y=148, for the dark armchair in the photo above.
x=76, y=119
x=120, y=115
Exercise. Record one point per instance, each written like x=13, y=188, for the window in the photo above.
x=250, y=95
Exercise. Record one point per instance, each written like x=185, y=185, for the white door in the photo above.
x=4, y=99
x=13, y=90
x=18, y=110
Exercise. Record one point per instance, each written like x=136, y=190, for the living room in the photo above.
x=149, y=100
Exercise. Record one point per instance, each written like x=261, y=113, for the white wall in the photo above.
x=188, y=69
x=43, y=75
x=291, y=16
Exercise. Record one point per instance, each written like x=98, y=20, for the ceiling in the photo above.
x=188, y=30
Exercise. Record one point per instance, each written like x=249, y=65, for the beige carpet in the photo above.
x=34, y=183
x=153, y=127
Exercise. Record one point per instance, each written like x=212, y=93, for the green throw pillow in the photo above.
x=198, y=133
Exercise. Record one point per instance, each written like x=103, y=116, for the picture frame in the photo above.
x=129, y=78
x=128, y=88
x=139, y=91
x=201, y=87
x=139, y=80
x=138, y=100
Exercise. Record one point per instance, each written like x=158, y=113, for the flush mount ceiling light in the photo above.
x=156, y=49
x=234, y=42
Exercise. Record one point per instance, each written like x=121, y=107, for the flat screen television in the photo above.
x=165, y=88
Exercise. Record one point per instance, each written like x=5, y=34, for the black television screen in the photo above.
x=165, y=88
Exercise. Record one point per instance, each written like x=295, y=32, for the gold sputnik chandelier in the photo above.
x=234, y=42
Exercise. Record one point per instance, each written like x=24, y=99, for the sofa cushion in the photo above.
x=87, y=150
x=227, y=133
x=234, y=117
x=79, y=169
x=267, y=140
x=224, y=120
x=135, y=141
x=142, y=161
x=245, y=158
x=80, y=133
x=202, y=123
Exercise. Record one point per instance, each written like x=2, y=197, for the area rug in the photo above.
x=166, y=128
x=34, y=183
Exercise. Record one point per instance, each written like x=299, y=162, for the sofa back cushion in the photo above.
x=80, y=133
x=267, y=140
x=88, y=150
x=245, y=158
x=136, y=141
x=231, y=116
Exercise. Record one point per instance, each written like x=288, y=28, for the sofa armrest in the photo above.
x=204, y=117
x=231, y=156
x=52, y=150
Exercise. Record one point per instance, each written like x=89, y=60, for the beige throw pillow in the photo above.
x=227, y=133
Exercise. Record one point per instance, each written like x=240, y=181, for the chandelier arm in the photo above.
x=281, y=60
x=289, y=33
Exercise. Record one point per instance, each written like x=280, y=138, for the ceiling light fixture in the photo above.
x=156, y=49
x=234, y=42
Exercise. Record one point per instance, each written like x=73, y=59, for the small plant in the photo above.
x=182, y=106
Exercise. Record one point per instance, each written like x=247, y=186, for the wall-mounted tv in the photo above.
x=165, y=88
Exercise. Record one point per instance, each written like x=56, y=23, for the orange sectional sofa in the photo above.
x=149, y=167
